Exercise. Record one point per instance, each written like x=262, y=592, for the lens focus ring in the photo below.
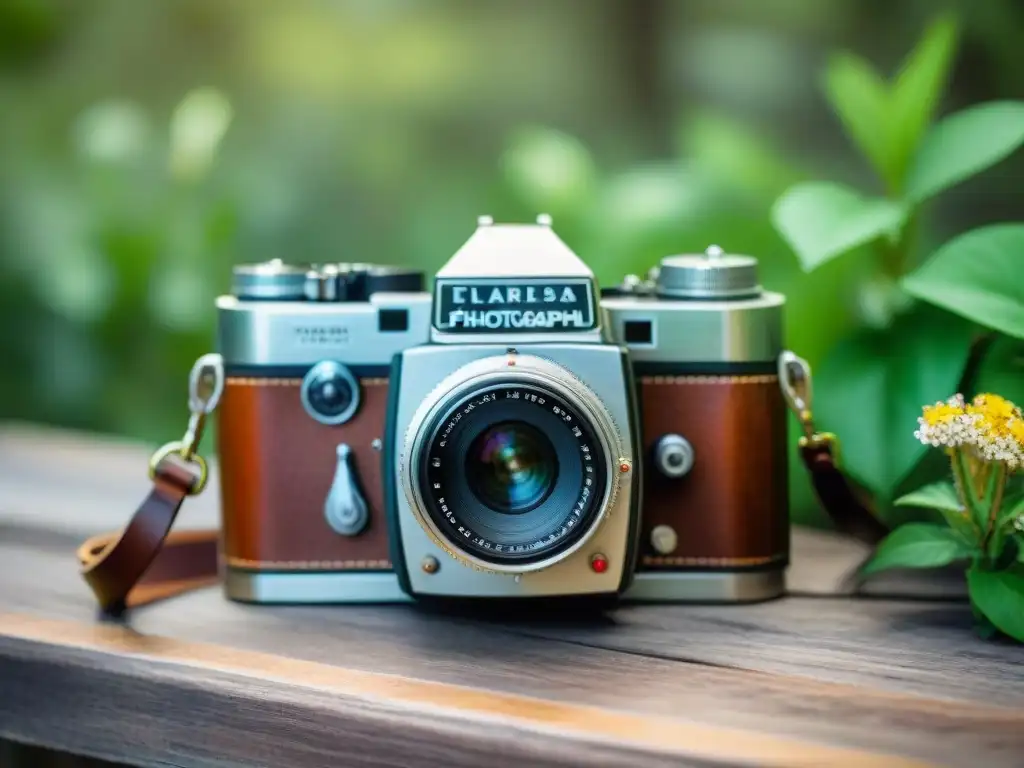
x=330, y=393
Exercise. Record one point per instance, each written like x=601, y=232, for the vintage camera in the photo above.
x=510, y=464
x=307, y=352
x=704, y=339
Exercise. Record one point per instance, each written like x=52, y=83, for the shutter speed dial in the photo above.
x=674, y=456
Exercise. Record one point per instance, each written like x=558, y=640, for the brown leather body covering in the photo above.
x=276, y=469
x=731, y=510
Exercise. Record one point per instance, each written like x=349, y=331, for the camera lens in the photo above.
x=330, y=393
x=512, y=473
x=512, y=467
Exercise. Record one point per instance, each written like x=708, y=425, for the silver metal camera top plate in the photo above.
x=305, y=332
x=684, y=331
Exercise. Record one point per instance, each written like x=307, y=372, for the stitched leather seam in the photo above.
x=656, y=560
x=254, y=382
x=766, y=378
x=311, y=565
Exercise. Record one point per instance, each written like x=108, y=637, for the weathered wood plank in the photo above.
x=139, y=694
x=610, y=663
x=911, y=647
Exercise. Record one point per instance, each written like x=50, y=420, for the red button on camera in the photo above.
x=599, y=563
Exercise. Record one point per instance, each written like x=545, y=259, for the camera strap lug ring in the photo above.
x=205, y=387
x=180, y=447
x=796, y=384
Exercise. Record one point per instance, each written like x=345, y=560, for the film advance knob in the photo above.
x=674, y=456
x=713, y=274
x=345, y=508
x=270, y=280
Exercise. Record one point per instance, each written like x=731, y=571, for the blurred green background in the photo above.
x=146, y=147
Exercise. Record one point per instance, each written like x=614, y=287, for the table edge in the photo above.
x=520, y=726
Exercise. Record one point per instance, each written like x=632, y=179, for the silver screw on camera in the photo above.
x=664, y=539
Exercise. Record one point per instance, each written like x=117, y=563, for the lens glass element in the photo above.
x=511, y=467
x=512, y=473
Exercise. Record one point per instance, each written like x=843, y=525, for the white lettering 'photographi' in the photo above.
x=516, y=318
x=529, y=294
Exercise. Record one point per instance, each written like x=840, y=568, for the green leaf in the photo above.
x=964, y=144
x=917, y=90
x=986, y=629
x=1012, y=509
x=1003, y=548
x=733, y=151
x=859, y=98
x=917, y=545
x=1000, y=597
x=979, y=275
x=943, y=498
x=934, y=496
x=1002, y=370
x=822, y=220
x=872, y=385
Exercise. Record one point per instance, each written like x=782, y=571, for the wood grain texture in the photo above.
x=199, y=680
x=93, y=658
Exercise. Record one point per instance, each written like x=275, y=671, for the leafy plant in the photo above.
x=929, y=324
x=982, y=506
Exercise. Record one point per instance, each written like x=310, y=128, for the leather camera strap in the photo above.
x=848, y=505
x=146, y=561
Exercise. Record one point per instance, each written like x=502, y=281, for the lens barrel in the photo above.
x=511, y=471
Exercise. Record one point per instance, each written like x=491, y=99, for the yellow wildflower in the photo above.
x=1016, y=429
x=945, y=424
x=991, y=426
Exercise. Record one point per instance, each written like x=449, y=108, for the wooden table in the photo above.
x=816, y=679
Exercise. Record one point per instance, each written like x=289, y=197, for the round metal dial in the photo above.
x=711, y=275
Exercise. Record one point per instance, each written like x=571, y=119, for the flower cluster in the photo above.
x=990, y=426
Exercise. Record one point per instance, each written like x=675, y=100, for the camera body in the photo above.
x=307, y=353
x=510, y=467
x=704, y=339
x=492, y=438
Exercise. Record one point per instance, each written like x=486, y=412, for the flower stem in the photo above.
x=997, y=502
x=959, y=478
x=965, y=489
